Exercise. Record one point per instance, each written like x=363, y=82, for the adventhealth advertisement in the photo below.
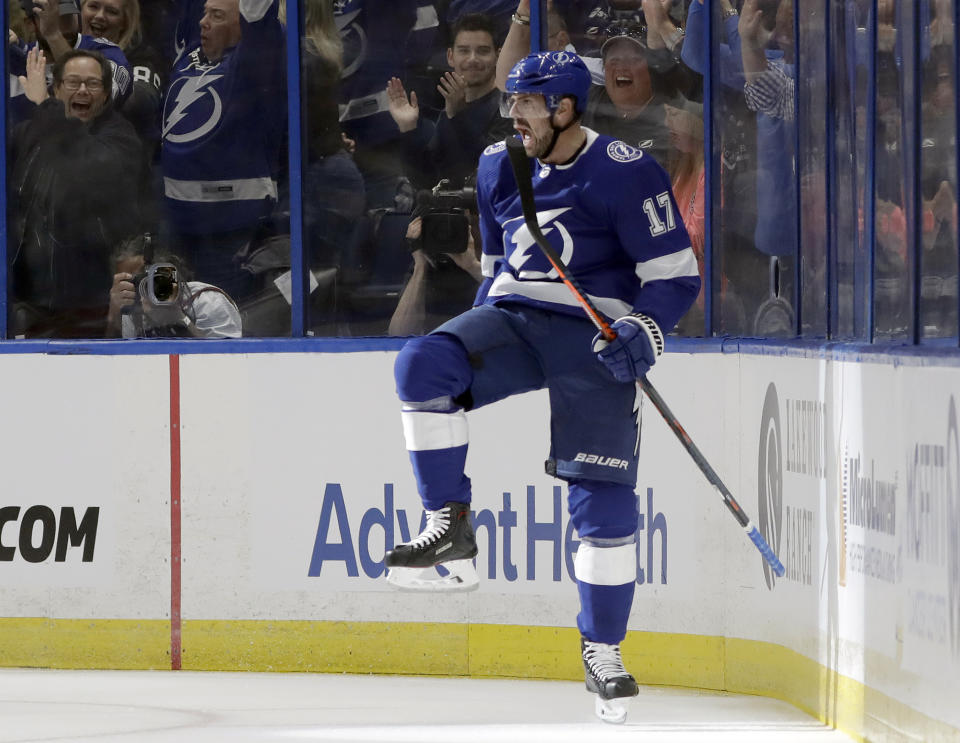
x=327, y=511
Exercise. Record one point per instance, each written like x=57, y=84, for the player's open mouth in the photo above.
x=622, y=81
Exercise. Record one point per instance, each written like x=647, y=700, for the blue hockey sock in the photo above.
x=604, y=611
x=606, y=571
x=436, y=436
x=440, y=477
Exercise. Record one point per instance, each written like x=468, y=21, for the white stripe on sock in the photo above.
x=606, y=566
x=426, y=431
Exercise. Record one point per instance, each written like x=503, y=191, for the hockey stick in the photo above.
x=520, y=164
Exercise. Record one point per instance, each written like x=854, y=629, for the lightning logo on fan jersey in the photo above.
x=194, y=89
x=523, y=240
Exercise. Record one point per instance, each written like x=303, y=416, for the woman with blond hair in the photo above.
x=119, y=22
x=334, y=195
x=114, y=20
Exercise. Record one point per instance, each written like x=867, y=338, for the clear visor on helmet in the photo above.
x=523, y=106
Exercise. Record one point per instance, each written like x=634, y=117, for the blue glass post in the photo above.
x=870, y=187
x=5, y=15
x=831, y=297
x=708, y=174
x=798, y=197
x=298, y=272
x=915, y=255
x=956, y=124
x=538, y=18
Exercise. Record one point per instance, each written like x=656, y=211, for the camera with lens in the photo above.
x=158, y=283
x=446, y=226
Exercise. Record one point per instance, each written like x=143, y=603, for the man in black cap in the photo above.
x=628, y=106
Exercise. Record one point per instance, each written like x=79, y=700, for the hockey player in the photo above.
x=609, y=211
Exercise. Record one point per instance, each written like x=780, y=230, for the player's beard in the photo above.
x=542, y=144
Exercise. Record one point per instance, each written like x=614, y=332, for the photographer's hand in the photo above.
x=468, y=261
x=415, y=229
x=122, y=294
x=453, y=88
x=405, y=111
x=35, y=83
x=409, y=316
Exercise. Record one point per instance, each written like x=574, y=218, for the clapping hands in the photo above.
x=405, y=111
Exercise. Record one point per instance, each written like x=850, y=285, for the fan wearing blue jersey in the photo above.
x=609, y=212
x=223, y=122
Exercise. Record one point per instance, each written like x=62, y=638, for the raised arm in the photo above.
x=517, y=44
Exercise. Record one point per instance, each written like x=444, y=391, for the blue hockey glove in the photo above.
x=635, y=349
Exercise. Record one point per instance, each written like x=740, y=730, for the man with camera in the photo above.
x=155, y=298
x=73, y=186
x=450, y=147
x=446, y=270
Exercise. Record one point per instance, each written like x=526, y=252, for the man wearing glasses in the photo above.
x=75, y=169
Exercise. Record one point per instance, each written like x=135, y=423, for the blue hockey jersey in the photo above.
x=611, y=216
x=223, y=127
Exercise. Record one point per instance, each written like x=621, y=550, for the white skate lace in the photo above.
x=604, y=661
x=437, y=525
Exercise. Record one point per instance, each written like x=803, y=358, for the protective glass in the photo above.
x=524, y=106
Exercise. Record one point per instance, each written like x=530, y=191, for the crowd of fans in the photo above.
x=148, y=157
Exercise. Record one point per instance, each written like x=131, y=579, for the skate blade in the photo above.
x=613, y=711
x=461, y=577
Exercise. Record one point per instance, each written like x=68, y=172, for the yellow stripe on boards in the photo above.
x=480, y=650
x=124, y=644
x=325, y=647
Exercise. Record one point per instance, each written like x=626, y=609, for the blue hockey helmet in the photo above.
x=552, y=75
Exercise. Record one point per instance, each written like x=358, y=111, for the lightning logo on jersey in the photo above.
x=517, y=232
x=193, y=99
x=611, y=216
x=221, y=142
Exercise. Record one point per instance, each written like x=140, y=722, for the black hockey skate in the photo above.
x=447, y=540
x=608, y=679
